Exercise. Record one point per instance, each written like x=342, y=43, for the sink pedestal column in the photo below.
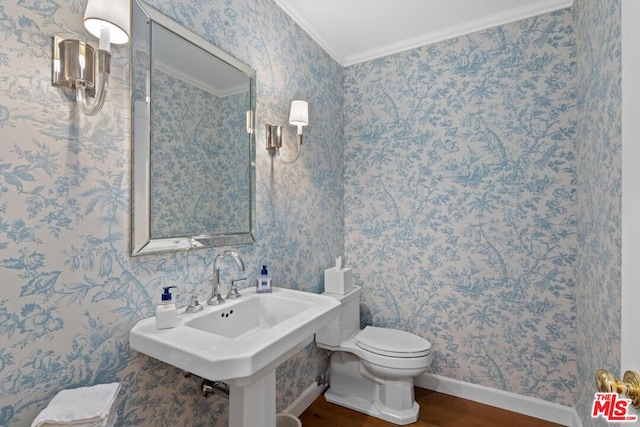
x=255, y=404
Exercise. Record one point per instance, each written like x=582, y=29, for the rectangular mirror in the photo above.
x=193, y=157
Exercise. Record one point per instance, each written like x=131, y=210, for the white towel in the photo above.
x=79, y=407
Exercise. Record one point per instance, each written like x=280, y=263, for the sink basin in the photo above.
x=249, y=316
x=242, y=340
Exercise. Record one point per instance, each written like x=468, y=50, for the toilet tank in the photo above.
x=347, y=324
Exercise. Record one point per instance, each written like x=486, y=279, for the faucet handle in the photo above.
x=194, y=306
x=233, y=290
x=215, y=299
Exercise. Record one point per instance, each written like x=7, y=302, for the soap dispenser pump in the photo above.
x=166, y=311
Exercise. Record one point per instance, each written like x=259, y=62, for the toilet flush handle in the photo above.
x=629, y=386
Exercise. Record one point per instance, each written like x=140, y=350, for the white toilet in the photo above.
x=372, y=369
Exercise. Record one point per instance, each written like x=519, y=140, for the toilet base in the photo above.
x=353, y=387
x=375, y=408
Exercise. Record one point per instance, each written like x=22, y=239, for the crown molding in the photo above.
x=310, y=26
x=192, y=80
x=497, y=19
x=307, y=23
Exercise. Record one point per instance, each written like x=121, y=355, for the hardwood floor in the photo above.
x=436, y=409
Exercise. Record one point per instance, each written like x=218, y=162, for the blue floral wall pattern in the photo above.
x=599, y=163
x=460, y=201
x=474, y=186
x=70, y=293
x=197, y=187
x=482, y=203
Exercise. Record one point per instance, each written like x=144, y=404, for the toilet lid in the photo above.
x=392, y=342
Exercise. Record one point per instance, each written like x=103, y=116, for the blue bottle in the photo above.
x=263, y=283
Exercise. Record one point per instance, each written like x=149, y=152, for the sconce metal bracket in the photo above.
x=274, y=137
x=65, y=69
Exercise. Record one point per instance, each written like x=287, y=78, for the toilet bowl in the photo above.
x=372, y=370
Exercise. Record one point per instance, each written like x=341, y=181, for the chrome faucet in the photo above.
x=233, y=290
x=216, y=296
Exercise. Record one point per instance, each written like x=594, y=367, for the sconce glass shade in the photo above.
x=101, y=86
x=299, y=115
x=115, y=15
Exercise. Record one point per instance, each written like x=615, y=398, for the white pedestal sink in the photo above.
x=241, y=342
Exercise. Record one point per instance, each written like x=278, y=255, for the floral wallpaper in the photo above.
x=460, y=201
x=599, y=162
x=70, y=292
x=197, y=186
x=482, y=200
x=472, y=184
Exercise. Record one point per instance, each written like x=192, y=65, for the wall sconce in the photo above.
x=74, y=60
x=298, y=116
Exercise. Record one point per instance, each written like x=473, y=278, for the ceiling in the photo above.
x=181, y=58
x=354, y=31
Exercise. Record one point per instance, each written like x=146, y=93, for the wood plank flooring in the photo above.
x=436, y=410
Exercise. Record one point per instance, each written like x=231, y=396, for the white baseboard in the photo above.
x=525, y=405
x=576, y=421
x=305, y=400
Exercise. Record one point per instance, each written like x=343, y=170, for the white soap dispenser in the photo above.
x=167, y=311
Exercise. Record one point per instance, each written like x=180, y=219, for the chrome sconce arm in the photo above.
x=299, y=117
x=74, y=60
x=101, y=86
x=74, y=68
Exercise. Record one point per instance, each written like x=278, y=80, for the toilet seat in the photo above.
x=392, y=342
